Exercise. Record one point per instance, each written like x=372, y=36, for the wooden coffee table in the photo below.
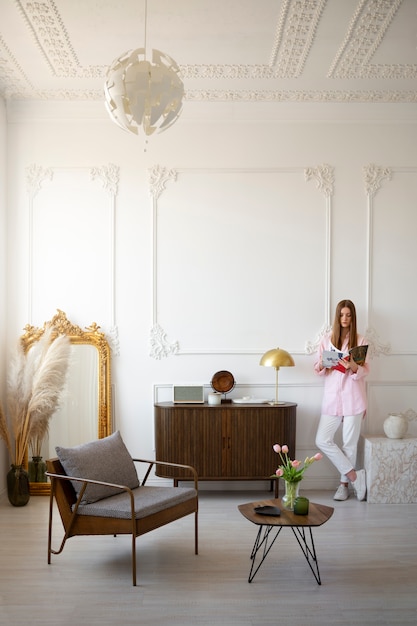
x=271, y=526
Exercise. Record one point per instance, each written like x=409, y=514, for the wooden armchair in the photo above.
x=127, y=510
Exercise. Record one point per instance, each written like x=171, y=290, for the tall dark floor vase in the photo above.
x=18, y=486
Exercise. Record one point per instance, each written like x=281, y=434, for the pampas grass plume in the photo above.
x=35, y=382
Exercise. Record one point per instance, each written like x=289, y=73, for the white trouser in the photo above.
x=343, y=459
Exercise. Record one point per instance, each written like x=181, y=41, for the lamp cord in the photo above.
x=146, y=20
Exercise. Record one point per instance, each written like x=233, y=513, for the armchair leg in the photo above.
x=134, y=559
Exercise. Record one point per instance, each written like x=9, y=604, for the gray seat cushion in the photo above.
x=104, y=459
x=148, y=500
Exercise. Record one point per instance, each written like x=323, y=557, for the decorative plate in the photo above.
x=223, y=381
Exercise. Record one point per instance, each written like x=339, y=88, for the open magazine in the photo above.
x=331, y=357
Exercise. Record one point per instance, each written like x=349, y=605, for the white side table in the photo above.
x=391, y=469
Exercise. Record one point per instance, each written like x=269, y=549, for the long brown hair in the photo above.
x=336, y=331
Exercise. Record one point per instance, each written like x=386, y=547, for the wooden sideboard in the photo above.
x=225, y=442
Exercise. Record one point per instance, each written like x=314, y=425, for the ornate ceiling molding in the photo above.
x=230, y=95
x=295, y=36
x=365, y=34
x=51, y=37
x=301, y=96
x=12, y=77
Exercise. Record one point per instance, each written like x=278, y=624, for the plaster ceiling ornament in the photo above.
x=54, y=50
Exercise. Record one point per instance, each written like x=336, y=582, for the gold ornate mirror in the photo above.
x=85, y=408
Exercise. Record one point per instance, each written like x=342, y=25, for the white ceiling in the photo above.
x=227, y=50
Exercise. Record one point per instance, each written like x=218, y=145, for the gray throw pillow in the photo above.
x=105, y=459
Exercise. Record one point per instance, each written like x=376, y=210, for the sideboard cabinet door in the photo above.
x=252, y=433
x=190, y=435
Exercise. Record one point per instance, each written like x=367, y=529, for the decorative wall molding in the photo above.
x=324, y=177
x=160, y=346
x=36, y=175
x=376, y=346
x=159, y=177
x=374, y=175
x=311, y=347
x=109, y=176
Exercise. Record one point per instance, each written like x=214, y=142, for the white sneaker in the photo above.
x=359, y=485
x=342, y=493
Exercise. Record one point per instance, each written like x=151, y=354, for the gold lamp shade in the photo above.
x=277, y=358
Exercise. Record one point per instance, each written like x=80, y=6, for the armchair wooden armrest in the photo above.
x=192, y=470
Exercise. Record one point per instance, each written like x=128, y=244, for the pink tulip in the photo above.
x=295, y=463
x=285, y=449
x=279, y=472
x=318, y=456
x=277, y=448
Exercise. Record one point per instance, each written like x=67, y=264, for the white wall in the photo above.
x=3, y=291
x=257, y=221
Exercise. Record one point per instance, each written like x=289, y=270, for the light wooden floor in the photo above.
x=367, y=557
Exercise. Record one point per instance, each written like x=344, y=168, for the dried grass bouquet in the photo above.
x=35, y=382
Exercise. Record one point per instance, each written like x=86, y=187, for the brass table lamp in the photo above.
x=277, y=358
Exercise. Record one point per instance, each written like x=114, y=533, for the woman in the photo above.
x=344, y=401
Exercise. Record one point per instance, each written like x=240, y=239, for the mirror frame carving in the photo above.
x=90, y=336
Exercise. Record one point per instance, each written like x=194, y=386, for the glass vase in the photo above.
x=18, y=486
x=36, y=470
x=291, y=493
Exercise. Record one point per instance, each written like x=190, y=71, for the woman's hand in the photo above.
x=349, y=365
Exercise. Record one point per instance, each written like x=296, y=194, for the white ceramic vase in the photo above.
x=395, y=426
